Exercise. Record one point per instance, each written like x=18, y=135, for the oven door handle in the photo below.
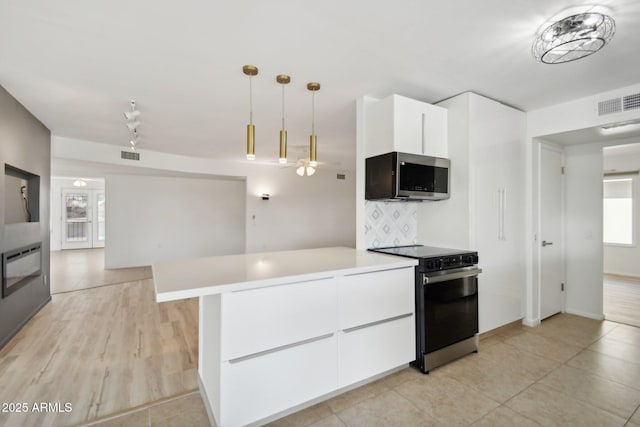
x=452, y=276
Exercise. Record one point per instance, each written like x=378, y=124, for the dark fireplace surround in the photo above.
x=20, y=266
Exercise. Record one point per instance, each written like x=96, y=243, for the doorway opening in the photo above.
x=621, y=195
x=83, y=218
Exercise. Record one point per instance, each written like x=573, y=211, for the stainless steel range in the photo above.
x=446, y=282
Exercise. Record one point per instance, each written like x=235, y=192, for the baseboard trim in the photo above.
x=532, y=323
x=621, y=275
x=585, y=314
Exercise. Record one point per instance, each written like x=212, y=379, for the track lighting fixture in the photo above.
x=135, y=139
x=133, y=113
x=132, y=124
x=130, y=115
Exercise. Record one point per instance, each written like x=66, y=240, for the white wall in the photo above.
x=157, y=218
x=578, y=114
x=303, y=212
x=583, y=230
x=617, y=259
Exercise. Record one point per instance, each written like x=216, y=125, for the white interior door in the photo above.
x=83, y=215
x=550, y=237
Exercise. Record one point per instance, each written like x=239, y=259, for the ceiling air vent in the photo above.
x=610, y=106
x=631, y=102
x=129, y=155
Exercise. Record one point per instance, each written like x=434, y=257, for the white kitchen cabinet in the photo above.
x=283, y=340
x=256, y=387
x=261, y=319
x=486, y=209
x=397, y=123
x=370, y=297
x=371, y=349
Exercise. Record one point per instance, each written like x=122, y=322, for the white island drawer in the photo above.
x=369, y=297
x=371, y=350
x=261, y=319
x=260, y=386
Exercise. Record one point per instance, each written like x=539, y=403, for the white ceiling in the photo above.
x=75, y=65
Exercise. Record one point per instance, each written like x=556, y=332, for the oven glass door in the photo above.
x=450, y=312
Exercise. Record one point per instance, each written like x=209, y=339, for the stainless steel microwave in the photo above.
x=404, y=176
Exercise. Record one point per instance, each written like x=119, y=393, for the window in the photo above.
x=618, y=211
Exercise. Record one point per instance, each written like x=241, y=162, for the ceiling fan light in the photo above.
x=310, y=170
x=300, y=170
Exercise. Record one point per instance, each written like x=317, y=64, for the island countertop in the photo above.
x=180, y=279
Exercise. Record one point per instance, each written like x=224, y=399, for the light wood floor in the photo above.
x=103, y=350
x=76, y=269
x=621, y=300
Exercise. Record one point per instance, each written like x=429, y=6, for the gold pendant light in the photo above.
x=283, y=79
x=250, y=70
x=313, y=153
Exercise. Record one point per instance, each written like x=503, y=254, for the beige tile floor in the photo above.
x=569, y=371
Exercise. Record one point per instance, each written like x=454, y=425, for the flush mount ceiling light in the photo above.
x=283, y=79
x=313, y=153
x=79, y=183
x=573, y=37
x=250, y=70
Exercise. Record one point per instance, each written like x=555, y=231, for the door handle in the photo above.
x=545, y=243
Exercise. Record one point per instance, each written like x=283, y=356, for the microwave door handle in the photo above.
x=424, y=119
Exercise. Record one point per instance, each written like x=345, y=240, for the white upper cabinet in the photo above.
x=397, y=123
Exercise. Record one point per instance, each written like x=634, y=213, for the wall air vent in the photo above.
x=609, y=106
x=631, y=102
x=619, y=105
x=130, y=155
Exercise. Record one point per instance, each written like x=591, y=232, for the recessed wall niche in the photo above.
x=21, y=196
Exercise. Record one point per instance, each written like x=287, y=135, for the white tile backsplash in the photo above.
x=390, y=224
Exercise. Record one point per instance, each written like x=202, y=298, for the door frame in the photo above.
x=537, y=249
x=92, y=214
x=538, y=237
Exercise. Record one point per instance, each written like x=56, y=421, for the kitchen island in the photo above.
x=279, y=331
